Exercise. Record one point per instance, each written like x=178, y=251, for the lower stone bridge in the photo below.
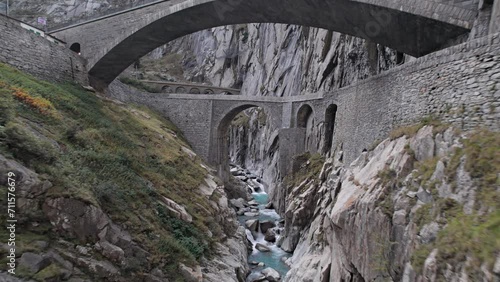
x=189, y=88
x=204, y=119
x=443, y=85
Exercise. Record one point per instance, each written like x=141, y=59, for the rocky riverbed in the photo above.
x=268, y=262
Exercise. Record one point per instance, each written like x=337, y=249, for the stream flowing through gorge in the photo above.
x=263, y=228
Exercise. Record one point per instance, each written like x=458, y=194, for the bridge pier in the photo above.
x=291, y=143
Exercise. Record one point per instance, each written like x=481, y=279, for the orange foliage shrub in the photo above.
x=44, y=106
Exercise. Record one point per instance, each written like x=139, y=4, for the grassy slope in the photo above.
x=119, y=158
x=475, y=235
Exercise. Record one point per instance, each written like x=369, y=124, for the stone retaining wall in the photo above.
x=38, y=56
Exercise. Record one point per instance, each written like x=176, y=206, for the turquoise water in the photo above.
x=261, y=198
x=272, y=258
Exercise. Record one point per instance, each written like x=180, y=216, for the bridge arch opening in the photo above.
x=304, y=114
x=234, y=125
x=167, y=89
x=305, y=119
x=194, y=90
x=76, y=47
x=180, y=90
x=330, y=115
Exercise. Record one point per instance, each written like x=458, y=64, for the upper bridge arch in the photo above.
x=112, y=43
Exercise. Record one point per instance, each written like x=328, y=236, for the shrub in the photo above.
x=40, y=104
x=185, y=233
x=6, y=106
x=305, y=166
x=25, y=146
x=110, y=193
x=172, y=251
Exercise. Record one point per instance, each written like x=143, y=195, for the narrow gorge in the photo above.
x=253, y=151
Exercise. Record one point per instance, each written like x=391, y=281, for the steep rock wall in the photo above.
x=400, y=212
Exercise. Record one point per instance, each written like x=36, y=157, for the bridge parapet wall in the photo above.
x=98, y=36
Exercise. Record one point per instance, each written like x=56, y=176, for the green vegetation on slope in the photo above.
x=305, y=166
x=475, y=236
x=119, y=158
x=411, y=130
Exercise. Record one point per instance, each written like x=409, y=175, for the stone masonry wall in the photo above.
x=192, y=117
x=459, y=85
x=38, y=56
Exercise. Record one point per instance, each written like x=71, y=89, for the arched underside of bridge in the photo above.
x=414, y=29
x=222, y=139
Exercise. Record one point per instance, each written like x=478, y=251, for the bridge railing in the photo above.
x=189, y=88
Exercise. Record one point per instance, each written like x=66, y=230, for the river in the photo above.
x=260, y=260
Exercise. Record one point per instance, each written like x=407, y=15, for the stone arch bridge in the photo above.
x=204, y=119
x=361, y=114
x=416, y=27
x=350, y=118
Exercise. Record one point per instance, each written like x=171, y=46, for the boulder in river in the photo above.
x=270, y=236
x=253, y=203
x=251, y=214
x=252, y=224
x=252, y=176
x=256, y=277
x=238, y=203
x=271, y=274
x=242, y=178
x=265, y=225
x=262, y=247
x=235, y=171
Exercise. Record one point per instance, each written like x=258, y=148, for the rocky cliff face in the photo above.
x=420, y=207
